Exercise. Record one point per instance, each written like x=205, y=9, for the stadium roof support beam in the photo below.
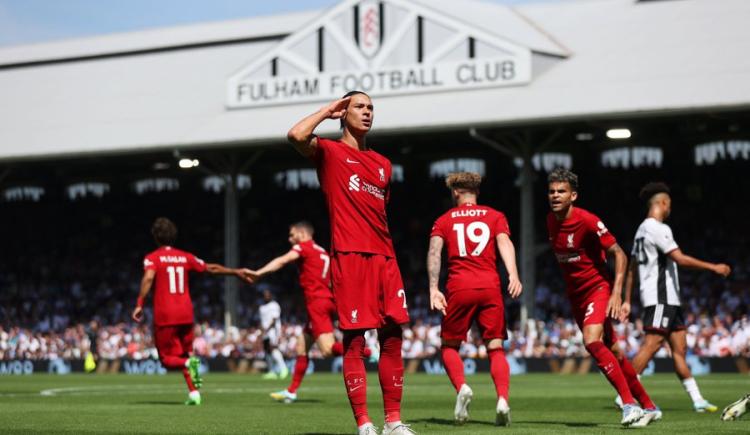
x=520, y=146
x=231, y=243
x=229, y=169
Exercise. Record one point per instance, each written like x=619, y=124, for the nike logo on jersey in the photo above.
x=348, y=160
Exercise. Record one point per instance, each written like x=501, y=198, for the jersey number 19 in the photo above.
x=477, y=232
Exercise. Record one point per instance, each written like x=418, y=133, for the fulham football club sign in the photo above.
x=388, y=47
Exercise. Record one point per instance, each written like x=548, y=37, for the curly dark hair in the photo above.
x=164, y=231
x=653, y=188
x=562, y=175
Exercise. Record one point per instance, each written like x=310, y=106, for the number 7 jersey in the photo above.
x=314, y=266
x=172, y=303
x=469, y=232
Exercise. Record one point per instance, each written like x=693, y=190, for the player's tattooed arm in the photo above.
x=302, y=136
x=146, y=282
x=437, y=299
x=621, y=263
x=508, y=254
x=630, y=278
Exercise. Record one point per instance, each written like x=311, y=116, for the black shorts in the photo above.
x=663, y=318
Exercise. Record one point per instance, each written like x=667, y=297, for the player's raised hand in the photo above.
x=514, y=287
x=437, y=301
x=722, y=269
x=337, y=109
x=137, y=314
x=624, y=312
x=614, y=306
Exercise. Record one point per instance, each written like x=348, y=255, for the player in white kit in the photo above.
x=270, y=322
x=654, y=262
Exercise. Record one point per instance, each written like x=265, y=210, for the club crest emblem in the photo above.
x=368, y=27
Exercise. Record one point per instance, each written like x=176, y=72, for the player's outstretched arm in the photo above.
x=218, y=269
x=684, y=260
x=301, y=135
x=630, y=277
x=508, y=254
x=272, y=266
x=621, y=263
x=437, y=298
x=146, y=283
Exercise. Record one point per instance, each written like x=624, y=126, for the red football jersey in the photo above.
x=172, y=303
x=314, y=266
x=469, y=232
x=580, y=243
x=356, y=186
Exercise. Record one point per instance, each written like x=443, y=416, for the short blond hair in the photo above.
x=463, y=180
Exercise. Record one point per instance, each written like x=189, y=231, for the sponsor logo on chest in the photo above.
x=357, y=184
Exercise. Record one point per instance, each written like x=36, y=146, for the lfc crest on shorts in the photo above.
x=354, y=316
x=368, y=27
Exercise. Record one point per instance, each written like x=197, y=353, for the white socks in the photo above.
x=194, y=395
x=278, y=358
x=691, y=387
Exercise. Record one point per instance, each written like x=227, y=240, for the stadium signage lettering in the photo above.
x=468, y=74
x=15, y=367
x=144, y=367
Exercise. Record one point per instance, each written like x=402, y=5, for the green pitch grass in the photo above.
x=541, y=403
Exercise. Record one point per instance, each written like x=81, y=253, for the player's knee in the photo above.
x=326, y=350
x=495, y=343
x=589, y=339
x=452, y=344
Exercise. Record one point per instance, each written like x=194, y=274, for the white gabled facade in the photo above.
x=192, y=86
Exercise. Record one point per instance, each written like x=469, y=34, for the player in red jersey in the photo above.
x=168, y=269
x=581, y=242
x=314, y=278
x=471, y=233
x=366, y=280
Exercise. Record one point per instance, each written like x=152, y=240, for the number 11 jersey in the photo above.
x=469, y=232
x=172, y=303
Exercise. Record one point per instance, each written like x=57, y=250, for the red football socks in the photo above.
x=300, y=368
x=337, y=349
x=188, y=380
x=609, y=366
x=635, y=384
x=500, y=371
x=355, y=377
x=454, y=367
x=391, y=372
x=170, y=362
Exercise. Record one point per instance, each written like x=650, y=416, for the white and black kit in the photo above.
x=659, y=281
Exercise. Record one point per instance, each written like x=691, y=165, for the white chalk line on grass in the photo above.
x=106, y=390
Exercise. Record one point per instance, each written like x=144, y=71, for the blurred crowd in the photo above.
x=70, y=270
x=715, y=336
